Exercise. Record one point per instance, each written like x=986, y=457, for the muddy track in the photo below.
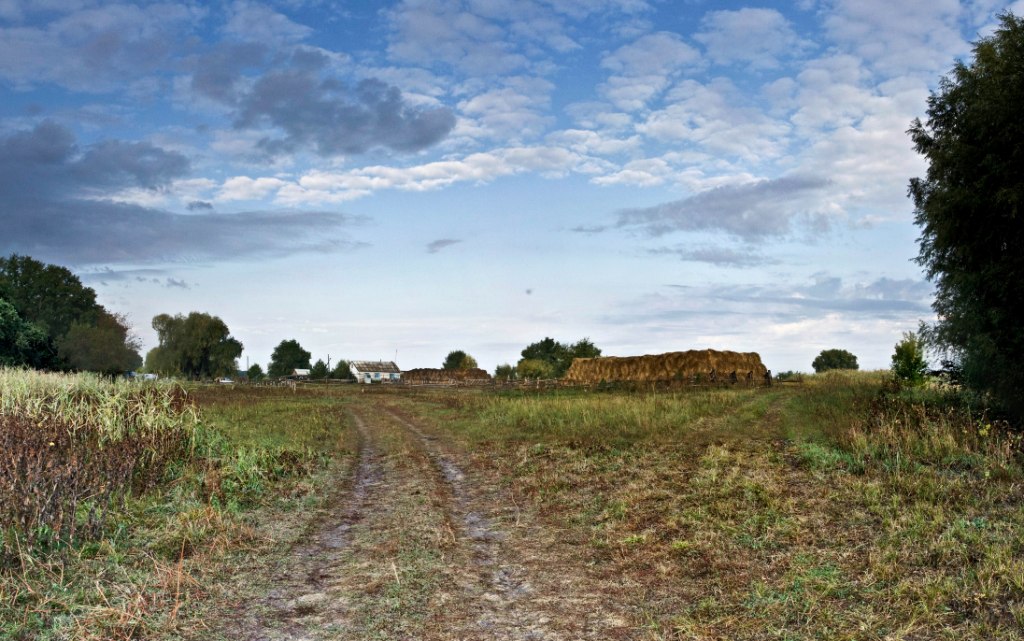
x=413, y=544
x=294, y=605
x=500, y=589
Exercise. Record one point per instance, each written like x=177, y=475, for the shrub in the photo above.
x=908, y=363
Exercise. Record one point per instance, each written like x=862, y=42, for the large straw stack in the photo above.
x=428, y=375
x=695, y=366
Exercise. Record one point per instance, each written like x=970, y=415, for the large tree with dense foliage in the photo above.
x=195, y=346
x=77, y=332
x=969, y=209
x=558, y=356
x=287, y=357
x=459, y=359
x=21, y=343
x=107, y=346
x=834, y=359
x=49, y=296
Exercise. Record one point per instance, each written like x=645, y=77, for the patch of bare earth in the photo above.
x=414, y=544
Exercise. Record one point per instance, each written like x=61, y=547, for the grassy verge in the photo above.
x=827, y=510
x=161, y=551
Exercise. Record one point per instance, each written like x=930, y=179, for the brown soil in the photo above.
x=414, y=543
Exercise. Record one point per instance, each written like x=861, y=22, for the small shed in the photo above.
x=300, y=373
x=375, y=371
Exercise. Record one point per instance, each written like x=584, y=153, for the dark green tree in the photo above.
x=341, y=371
x=559, y=356
x=106, y=347
x=254, y=373
x=459, y=360
x=969, y=209
x=49, y=296
x=21, y=343
x=834, y=359
x=505, y=372
x=908, y=361
x=196, y=346
x=319, y=370
x=287, y=357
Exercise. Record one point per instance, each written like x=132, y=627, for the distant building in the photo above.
x=300, y=373
x=375, y=371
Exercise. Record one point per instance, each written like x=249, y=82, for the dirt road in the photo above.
x=414, y=544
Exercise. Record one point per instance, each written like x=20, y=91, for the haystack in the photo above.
x=705, y=365
x=430, y=375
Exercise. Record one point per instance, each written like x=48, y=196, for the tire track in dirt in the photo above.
x=410, y=546
x=528, y=585
x=500, y=593
x=298, y=606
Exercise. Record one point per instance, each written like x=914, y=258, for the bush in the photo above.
x=908, y=363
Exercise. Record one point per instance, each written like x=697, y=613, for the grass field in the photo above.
x=839, y=508
x=818, y=511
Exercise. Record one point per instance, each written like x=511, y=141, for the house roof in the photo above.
x=384, y=367
x=300, y=372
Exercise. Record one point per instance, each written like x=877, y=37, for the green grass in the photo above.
x=826, y=510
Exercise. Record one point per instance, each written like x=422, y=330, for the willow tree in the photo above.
x=968, y=207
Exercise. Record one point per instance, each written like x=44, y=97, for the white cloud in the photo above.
x=757, y=37
x=427, y=32
x=259, y=23
x=647, y=172
x=585, y=141
x=644, y=68
x=714, y=117
x=246, y=188
x=513, y=113
x=899, y=37
x=321, y=186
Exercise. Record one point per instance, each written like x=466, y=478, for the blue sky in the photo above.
x=421, y=176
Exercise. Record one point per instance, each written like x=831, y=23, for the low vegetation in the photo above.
x=119, y=501
x=843, y=508
x=848, y=506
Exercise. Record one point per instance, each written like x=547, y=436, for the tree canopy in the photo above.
x=195, y=346
x=21, y=342
x=558, y=356
x=319, y=370
x=834, y=359
x=70, y=329
x=254, y=373
x=287, y=357
x=49, y=296
x=341, y=371
x=505, y=372
x=459, y=360
x=106, y=347
x=968, y=207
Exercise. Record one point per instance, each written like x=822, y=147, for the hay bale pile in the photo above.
x=426, y=375
x=694, y=366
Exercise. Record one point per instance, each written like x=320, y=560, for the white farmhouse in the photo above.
x=375, y=371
